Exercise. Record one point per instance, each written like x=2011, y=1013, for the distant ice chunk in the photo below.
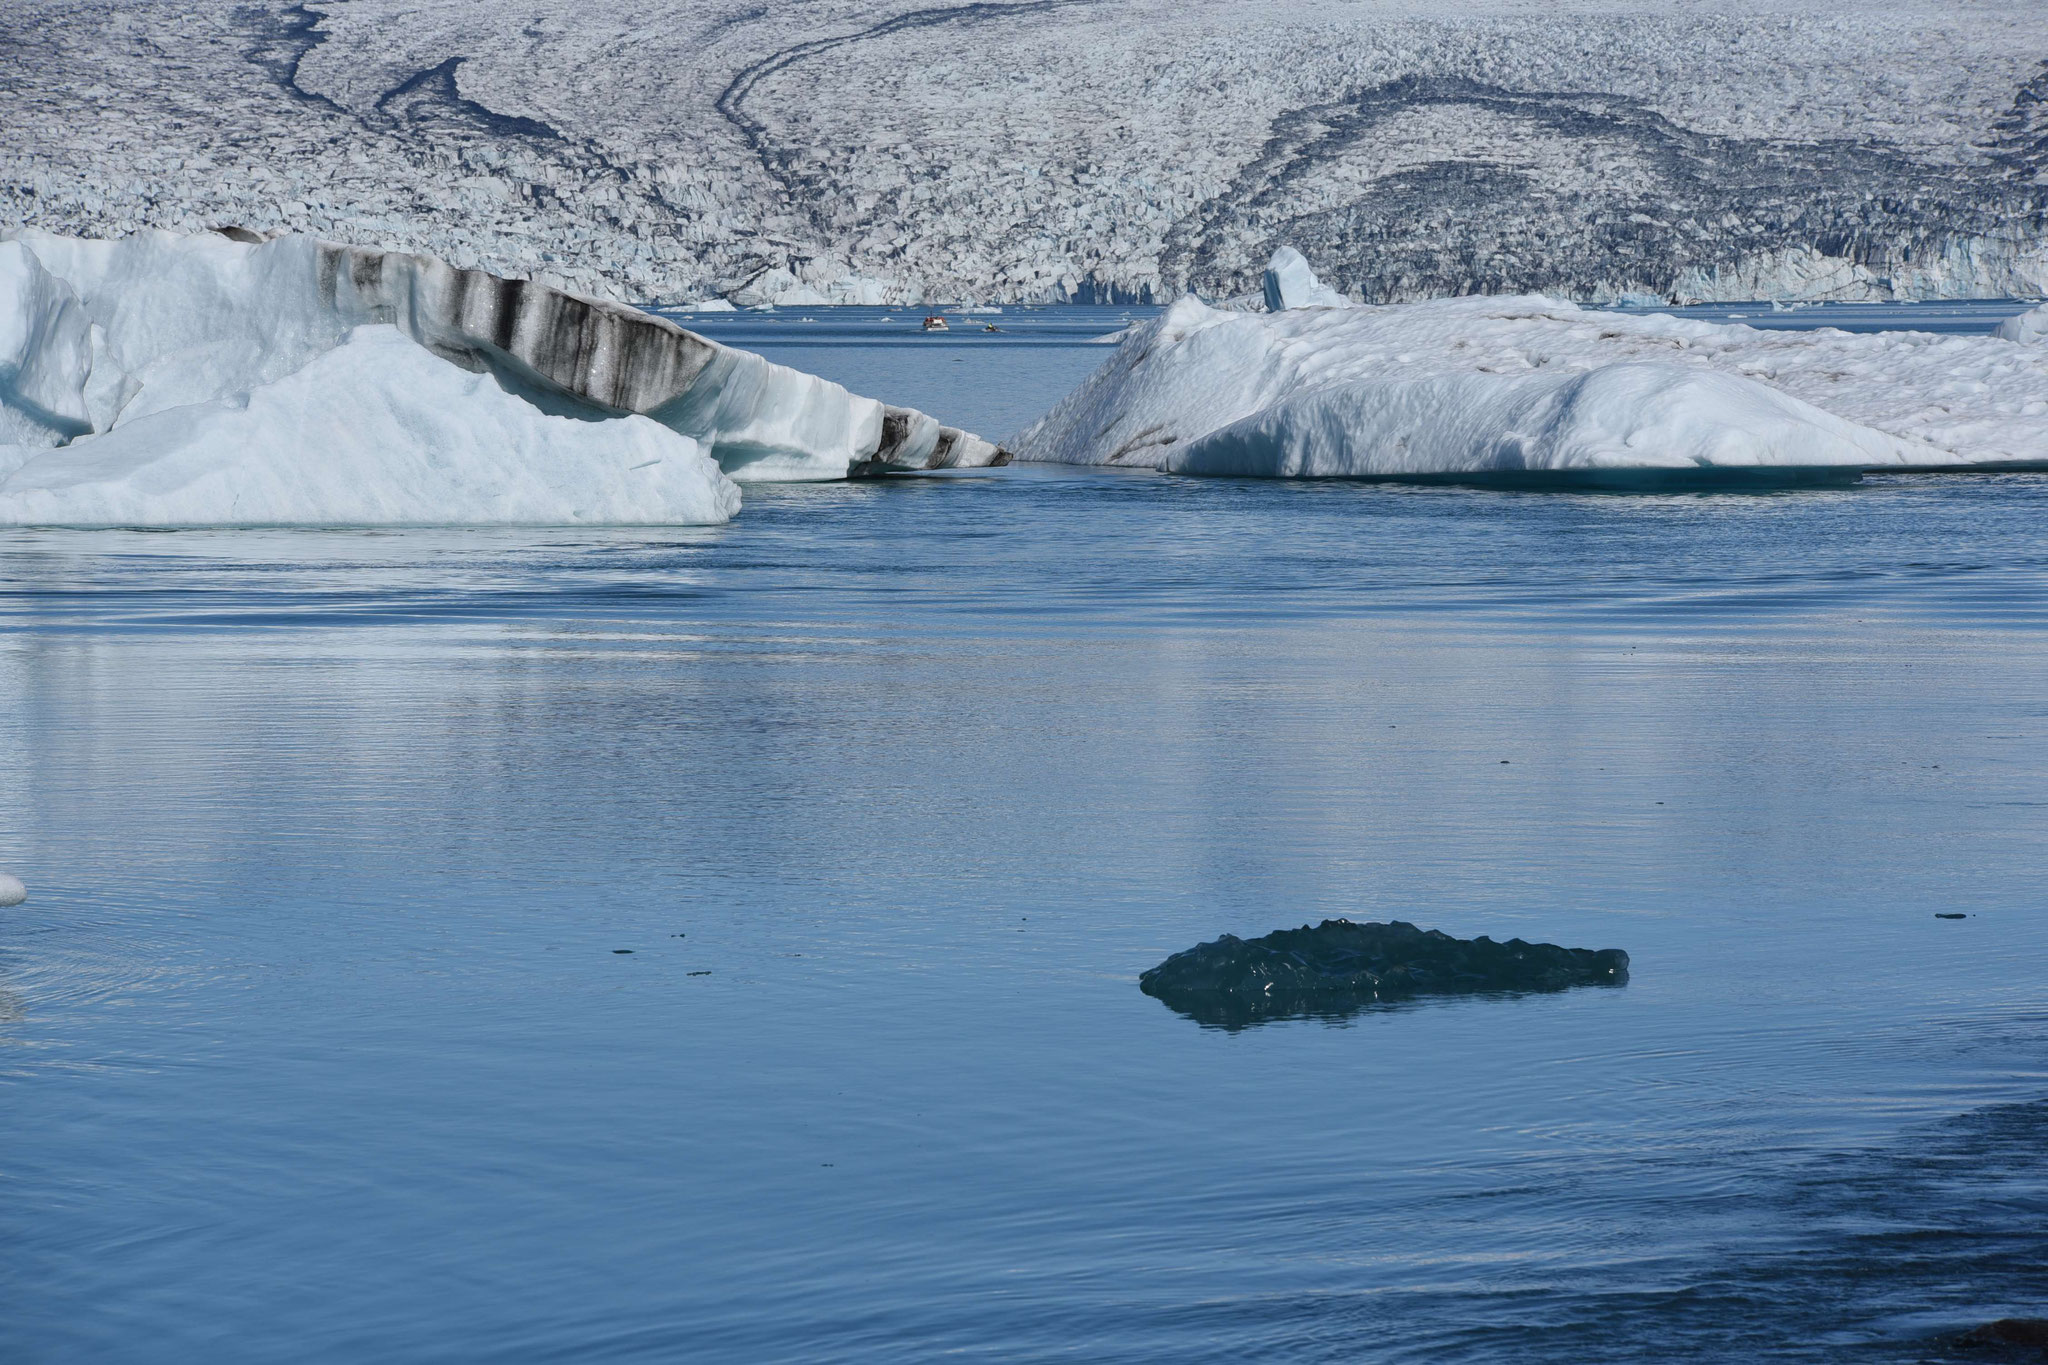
x=1290, y=283
x=2028, y=329
x=1496, y=386
x=373, y=432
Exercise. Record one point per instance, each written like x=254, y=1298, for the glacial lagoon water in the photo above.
x=721, y=945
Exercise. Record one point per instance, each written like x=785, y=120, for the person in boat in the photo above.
x=935, y=323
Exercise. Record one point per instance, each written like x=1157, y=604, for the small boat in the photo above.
x=991, y=328
x=935, y=323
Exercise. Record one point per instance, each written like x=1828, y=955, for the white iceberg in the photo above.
x=372, y=432
x=1528, y=385
x=1290, y=283
x=96, y=337
x=2028, y=329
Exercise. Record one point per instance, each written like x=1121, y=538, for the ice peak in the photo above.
x=1290, y=283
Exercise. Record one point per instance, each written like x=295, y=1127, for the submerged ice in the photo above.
x=1529, y=385
x=172, y=380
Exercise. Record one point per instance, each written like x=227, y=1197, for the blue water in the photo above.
x=316, y=1042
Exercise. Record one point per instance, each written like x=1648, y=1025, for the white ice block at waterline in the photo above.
x=1918, y=400
x=12, y=892
x=2028, y=329
x=375, y=432
x=194, y=318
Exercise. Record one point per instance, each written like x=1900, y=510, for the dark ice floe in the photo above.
x=1341, y=967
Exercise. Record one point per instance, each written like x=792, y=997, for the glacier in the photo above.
x=184, y=367
x=1037, y=151
x=1531, y=385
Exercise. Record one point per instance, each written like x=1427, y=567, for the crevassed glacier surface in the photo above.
x=1506, y=385
x=860, y=152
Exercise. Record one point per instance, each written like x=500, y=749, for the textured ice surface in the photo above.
x=1341, y=967
x=46, y=349
x=858, y=151
x=1611, y=418
x=372, y=432
x=1504, y=384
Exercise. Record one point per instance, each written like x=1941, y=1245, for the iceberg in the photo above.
x=1290, y=283
x=97, y=337
x=1529, y=387
x=2028, y=329
x=370, y=433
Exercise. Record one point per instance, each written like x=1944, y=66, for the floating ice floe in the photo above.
x=1340, y=967
x=170, y=380
x=1528, y=386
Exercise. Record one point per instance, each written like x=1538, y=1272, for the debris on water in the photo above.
x=12, y=892
x=1950, y=914
x=622, y=950
x=697, y=973
x=1341, y=967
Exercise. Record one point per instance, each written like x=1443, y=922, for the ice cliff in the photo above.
x=1042, y=149
x=1529, y=385
x=167, y=379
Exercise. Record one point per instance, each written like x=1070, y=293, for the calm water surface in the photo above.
x=316, y=1041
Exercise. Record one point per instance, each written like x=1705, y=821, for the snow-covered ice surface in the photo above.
x=851, y=151
x=177, y=379
x=1528, y=384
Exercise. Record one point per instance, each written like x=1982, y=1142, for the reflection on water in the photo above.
x=325, y=1050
